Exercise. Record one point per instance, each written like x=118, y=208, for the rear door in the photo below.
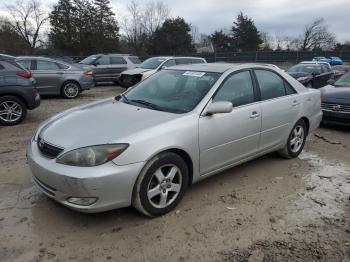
x=228, y=138
x=279, y=108
x=117, y=65
x=101, y=70
x=327, y=74
x=48, y=76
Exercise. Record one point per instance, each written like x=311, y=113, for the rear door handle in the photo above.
x=254, y=115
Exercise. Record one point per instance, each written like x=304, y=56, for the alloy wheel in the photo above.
x=297, y=139
x=71, y=90
x=10, y=111
x=164, y=186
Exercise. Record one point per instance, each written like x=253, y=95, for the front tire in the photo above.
x=12, y=110
x=70, y=90
x=161, y=185
x=296, y=141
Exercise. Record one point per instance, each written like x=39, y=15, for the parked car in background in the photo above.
x=333, y=60
x=108, y=67
x=17, y=93
x=183, y=124
x=340, y=70
x=336, y=101
x=55, y=77
x=6, y=57
x=312, y=74
x=152, y=65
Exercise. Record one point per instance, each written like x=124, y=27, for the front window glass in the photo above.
x=152, y=63
x=344, y=81
x=134, y=60
x=173, y=91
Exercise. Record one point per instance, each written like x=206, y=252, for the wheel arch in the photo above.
x=184, y=155
x=307, y=123
x=17, y=96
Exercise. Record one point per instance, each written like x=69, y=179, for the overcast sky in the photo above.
x=281, y=17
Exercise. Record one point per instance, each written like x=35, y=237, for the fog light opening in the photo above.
x=82, y=201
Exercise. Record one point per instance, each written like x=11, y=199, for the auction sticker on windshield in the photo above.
x=192, y=73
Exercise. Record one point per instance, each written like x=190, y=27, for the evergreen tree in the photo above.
x=172, y=38
x=246, y=36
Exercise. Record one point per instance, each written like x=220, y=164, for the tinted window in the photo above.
x=305, y=68
x=237, y=89
x=1, y=67
x=325, y=69
x=271, y=85
x=289, y=89
x=134, y=59
x=25, y=63
x=90, y=60
x=170, y=62
x=197, y=61
x=115, y=60
x=183, y=61
x=46, y=65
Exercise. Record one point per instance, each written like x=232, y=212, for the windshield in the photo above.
x=305, y=69
x=152, y=63
x=344, y=81
x=89, y=60
x=173, y=91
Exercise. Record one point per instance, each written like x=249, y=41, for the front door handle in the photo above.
x=295, y=103
x=254, y=115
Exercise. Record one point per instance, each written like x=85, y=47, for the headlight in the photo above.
x=92, y=155
x=303, y=78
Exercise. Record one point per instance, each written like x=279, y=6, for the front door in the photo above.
x=230, y=137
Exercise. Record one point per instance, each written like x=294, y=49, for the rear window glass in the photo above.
x=134, y=59
x=62, y=66
x=46, y=65
x=25, y=63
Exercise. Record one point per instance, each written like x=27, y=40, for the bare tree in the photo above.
x=141, y=22
x=154, y=15
x=27, y=18
x=316, y=35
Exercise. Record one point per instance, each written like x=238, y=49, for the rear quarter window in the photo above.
x=117, y=60
x=197, y=61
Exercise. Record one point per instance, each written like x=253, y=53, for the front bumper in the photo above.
x=334, y=117
x=111, y=184
x=35, y=103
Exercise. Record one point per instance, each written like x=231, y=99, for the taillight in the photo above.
x=25, y=75
x=337, y=73
x=88, y=73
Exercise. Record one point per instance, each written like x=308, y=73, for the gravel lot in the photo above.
x=269, y=209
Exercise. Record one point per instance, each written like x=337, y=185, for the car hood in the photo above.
x=136, y=71
x=298, y=74
x=336, y=92
x=104, y=122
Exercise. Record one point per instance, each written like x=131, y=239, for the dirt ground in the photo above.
x=269, y=209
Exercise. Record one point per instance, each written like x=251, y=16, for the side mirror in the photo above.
x=331, y=81
x=219, y=108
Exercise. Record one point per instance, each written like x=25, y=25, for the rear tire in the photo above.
x=12, y=110
x=70, y=90
x=296, y=141
x=161, y=185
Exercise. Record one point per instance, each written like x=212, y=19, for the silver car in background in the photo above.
x=54, y=77
x=153, y=65
x=180, y=125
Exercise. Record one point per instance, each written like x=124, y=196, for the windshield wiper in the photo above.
x=147, y=104
x=125, y=99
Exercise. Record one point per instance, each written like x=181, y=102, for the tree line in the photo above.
x=83, y=27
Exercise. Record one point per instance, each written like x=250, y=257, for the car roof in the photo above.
x=220, y=67
x=177, y=57
x=315, y=63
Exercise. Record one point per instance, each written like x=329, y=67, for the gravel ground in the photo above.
x=269, y=209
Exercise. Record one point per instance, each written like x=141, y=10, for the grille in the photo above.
x=336, y=107
x=48, y=149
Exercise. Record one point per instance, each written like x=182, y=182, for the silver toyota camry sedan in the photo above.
x=181, y=125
